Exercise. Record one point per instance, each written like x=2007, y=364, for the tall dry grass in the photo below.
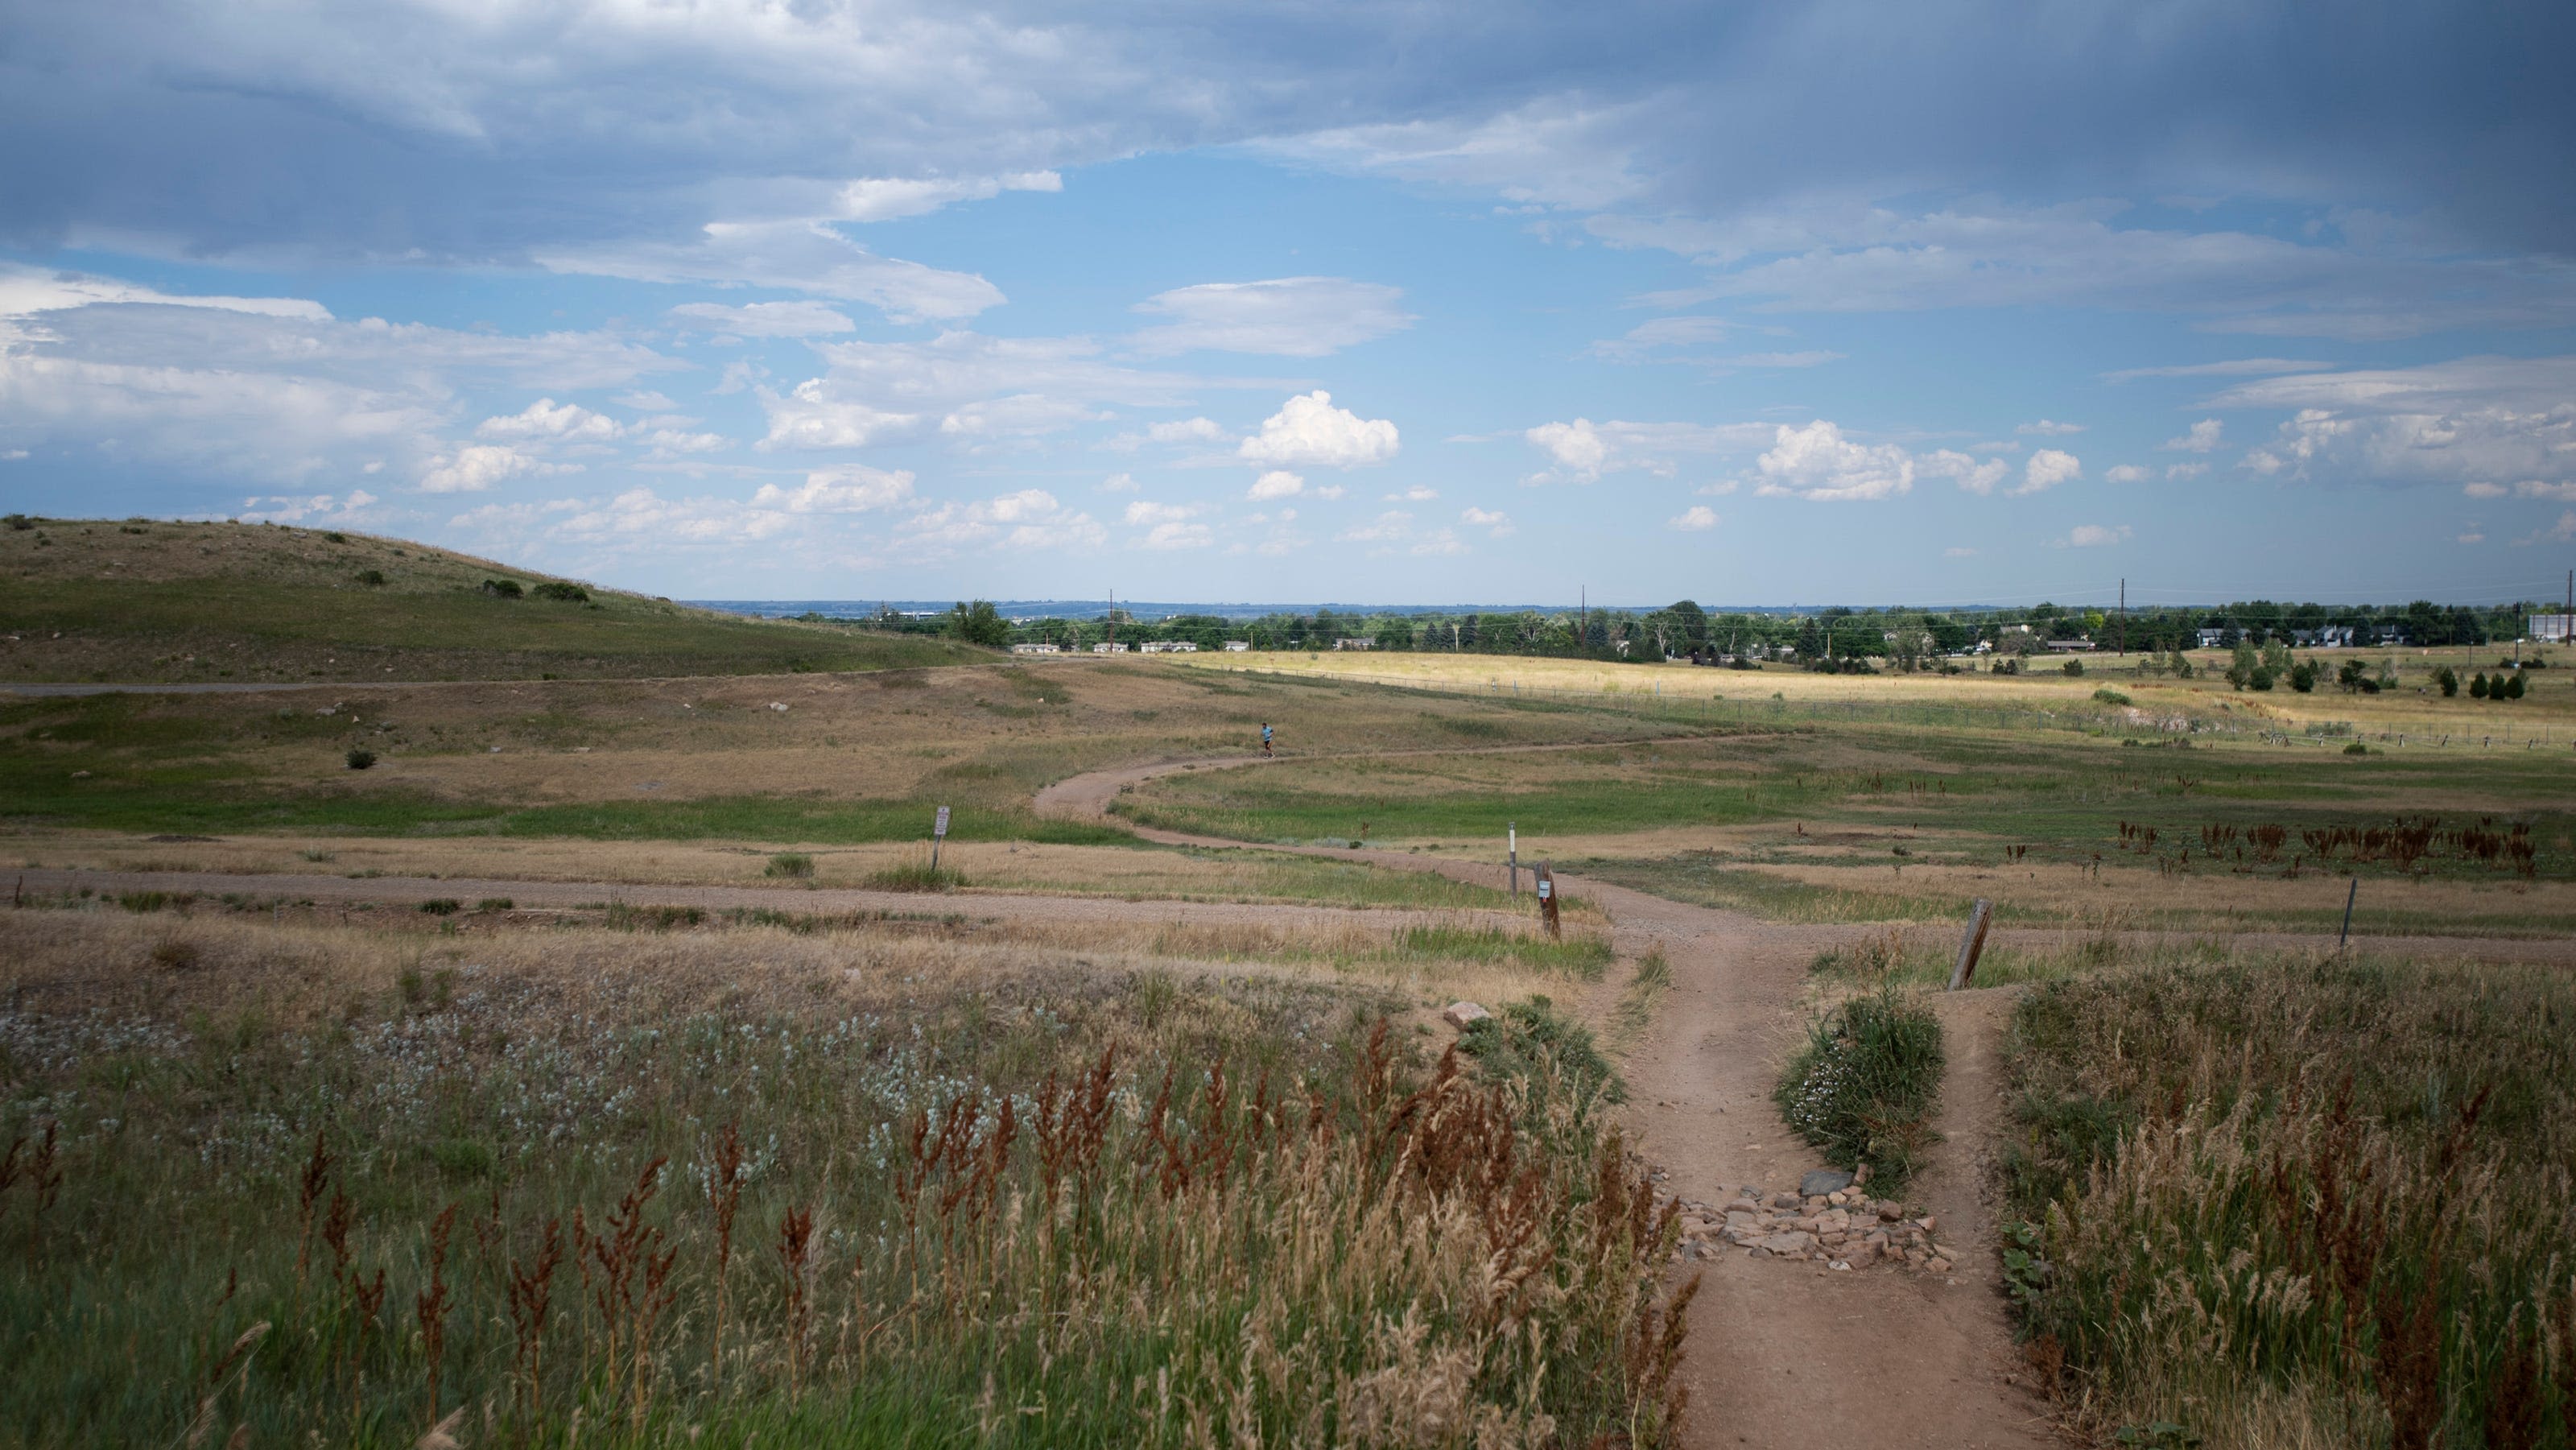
x=2297, y=1201
x=709, y=1187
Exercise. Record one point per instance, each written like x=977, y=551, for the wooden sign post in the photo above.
x=1973, y=944
x=1547, y=899
x=938, y=833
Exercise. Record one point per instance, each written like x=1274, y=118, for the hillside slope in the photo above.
x=95, y=599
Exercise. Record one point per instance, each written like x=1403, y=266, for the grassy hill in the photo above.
x=144, y=600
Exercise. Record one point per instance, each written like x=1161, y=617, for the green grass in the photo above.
x=1864, y=1086
x=917, y=875
x=284, y=604
x=2294, y=1200
x=1581, y=957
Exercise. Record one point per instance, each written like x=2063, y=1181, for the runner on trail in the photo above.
x=1265, y=737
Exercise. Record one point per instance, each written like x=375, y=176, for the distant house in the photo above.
x=1110, y=647
x=2213, y=638
x=1037, y=649
x=1237, y=646
x=2335, y=636
x=1167, y=647
x=2391, y=634
x=2070, y=646
x=1354, y=644
x=2553, y=626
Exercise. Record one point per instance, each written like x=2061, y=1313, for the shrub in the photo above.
x=19, y=522
x=917, y=875
x=2448, y=679
x=2303, y=677
x=503, y=588
x=361, y=758
x=979, y=622
x=2260, y=679
x=2356, y=748
x=175, y=954
x=1551, y=1054
x=2478, y=685
x=442, y=906
x=2109, y=696
x=1863, y=1088
x=2512, y=688
x=2074, y=667
x=494, y=903
x=372, y=578
x=790, y=863
x=337, y=537
x=556, y=589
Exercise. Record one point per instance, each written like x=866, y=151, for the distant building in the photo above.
x=2335, y=636
x=1354, y=644
x=1167, y=647
x=2213, y=638
x=2553, y=626
x=2065, y=646
x=1237, y=646
x=1037, y=649
x=2391, y=634
x=1110, y=647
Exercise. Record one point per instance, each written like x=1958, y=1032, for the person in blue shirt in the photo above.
x=1265, y=737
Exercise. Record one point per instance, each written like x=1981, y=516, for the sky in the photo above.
x=1921, y=302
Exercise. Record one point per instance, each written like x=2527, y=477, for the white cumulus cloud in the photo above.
x=1308, y=430
x=2125, y=473
x=1283, y=317
x=2201, y=437
x=545, y=420
x=1694, y=519
x=1278, y=483
x=2049, y=428
x=849, y=490
x=1817, y=462
x=2048, y=468
x=1499, y=524
x=2094, y=536
x=477, y=467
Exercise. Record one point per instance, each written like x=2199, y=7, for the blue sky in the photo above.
x=1390, y=303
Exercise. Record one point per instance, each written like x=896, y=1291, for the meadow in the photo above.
x=875, y=1182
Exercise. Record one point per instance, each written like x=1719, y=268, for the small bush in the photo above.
x=19, y=523
x=2356, y=748
x=566, y=593
x=372, y=578
x=2303, y=677
x=795, y=864
x=442, y=906
x=361, y=759
x=175, y=955
x=2261, y=679
x=1531, y=1042
x=495, y=903
x=2109, y=696
x=336, y=537
x=1863, y=1088
x=2478, y=685
x=916, y=876
x=2512, y=688
x=503, y=588
x=2449, y=680
x=2074, y=667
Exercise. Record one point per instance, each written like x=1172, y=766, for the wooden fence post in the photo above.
x=1972, y=945
x=1547, y=900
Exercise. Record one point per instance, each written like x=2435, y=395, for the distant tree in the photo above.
x=2261, y=679
x=2074, y=667
x=2448, y=679
x=2303, y=676
x=979, y=623
x=1811, y=640
x=2513, y=687
x=1395, y=634
x=2478, y=685
x=1689, y=626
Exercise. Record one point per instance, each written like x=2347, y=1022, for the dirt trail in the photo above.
x=1780, y=1353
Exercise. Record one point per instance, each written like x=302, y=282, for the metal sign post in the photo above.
x=1512, y=843
x=938, y=833
x=1547, y=899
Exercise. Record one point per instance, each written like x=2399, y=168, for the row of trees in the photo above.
x=1898, y=638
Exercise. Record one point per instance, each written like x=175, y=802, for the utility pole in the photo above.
x=2124, y=616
